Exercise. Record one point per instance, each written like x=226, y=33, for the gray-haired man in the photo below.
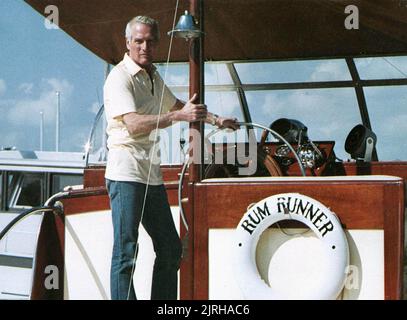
x=136, y=103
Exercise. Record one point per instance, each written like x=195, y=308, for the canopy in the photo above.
x=243, y=29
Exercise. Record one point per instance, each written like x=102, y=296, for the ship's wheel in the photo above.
x=266, y=165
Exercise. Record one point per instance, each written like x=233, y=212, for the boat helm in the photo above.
x=290, y=206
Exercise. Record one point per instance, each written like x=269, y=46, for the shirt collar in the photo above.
x=133, y=67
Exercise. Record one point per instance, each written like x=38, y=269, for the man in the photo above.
x=134, y=93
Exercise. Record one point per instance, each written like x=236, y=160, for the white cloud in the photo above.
x=27, y=111
x=94, y=107
x=224, y=103
x=2, y=86
x=330, y=70
x=26, y=87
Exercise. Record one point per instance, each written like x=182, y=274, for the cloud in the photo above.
x=2, y=87
x=94, y=107
x=224, y=103
x=26, y=111
x=330, y=70
x=26, y=87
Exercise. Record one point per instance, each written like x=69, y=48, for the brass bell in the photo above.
x=186, y=28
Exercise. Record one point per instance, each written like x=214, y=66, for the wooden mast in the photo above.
x=196, y=85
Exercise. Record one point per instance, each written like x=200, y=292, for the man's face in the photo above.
x=142, y=45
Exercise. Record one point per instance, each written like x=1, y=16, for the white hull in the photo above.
x=88, y=246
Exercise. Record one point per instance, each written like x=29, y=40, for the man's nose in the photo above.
x=145, y=45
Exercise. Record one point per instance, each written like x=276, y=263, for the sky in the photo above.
x=35, y=63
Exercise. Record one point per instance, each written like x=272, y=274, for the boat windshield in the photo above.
x=322, y=94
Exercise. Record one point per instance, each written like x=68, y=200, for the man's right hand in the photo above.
x=192, y=112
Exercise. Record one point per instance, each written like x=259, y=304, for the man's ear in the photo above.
x=128, y=43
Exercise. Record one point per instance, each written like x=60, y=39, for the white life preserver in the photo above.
x=290, y=206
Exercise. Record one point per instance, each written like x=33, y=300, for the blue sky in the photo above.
x=36, y=62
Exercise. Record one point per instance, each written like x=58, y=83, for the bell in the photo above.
x=186, y=28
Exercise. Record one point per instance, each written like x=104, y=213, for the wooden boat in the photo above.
x=367, y=196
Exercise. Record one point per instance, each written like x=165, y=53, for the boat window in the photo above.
x=174, y=139
x=175, y=74
x=13, y=182
x=60, y=181
x=388, y=116
x=220, y=97
x=217, y=74
x=1, y=190
x=382, y=67
x=225, y=103
x=292, y=71
x=96, y=144
x=329, y=114
x=30, y=190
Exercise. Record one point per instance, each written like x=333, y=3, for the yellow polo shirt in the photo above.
x=128, y=88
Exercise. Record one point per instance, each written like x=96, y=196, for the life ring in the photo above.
x=290, y=206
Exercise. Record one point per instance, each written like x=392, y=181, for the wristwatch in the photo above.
x=214, y=118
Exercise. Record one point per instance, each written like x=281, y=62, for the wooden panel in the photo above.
x=392, y=168
x=359, y=205
x=393, y=241
x=94, y=176
x=350, y=201
x=88, y=204
x=77, y=205
x=50, y=252
x=171, y=172
x=187, y=263
x=201, y=240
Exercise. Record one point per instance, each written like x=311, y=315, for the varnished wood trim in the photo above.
x=94, y=176
x=201, y=241
x=350, y=201
x=88, y=204
x=50, y=252
x=187, y=263
x=394, y=242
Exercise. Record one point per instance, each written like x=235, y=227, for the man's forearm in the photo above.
x=137, y=123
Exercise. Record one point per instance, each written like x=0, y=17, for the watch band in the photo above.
x=214, y=118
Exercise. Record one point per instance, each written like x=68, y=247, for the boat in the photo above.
x=305, y=224
x=28, y=179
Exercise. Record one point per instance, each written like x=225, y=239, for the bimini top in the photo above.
x=244, y=30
